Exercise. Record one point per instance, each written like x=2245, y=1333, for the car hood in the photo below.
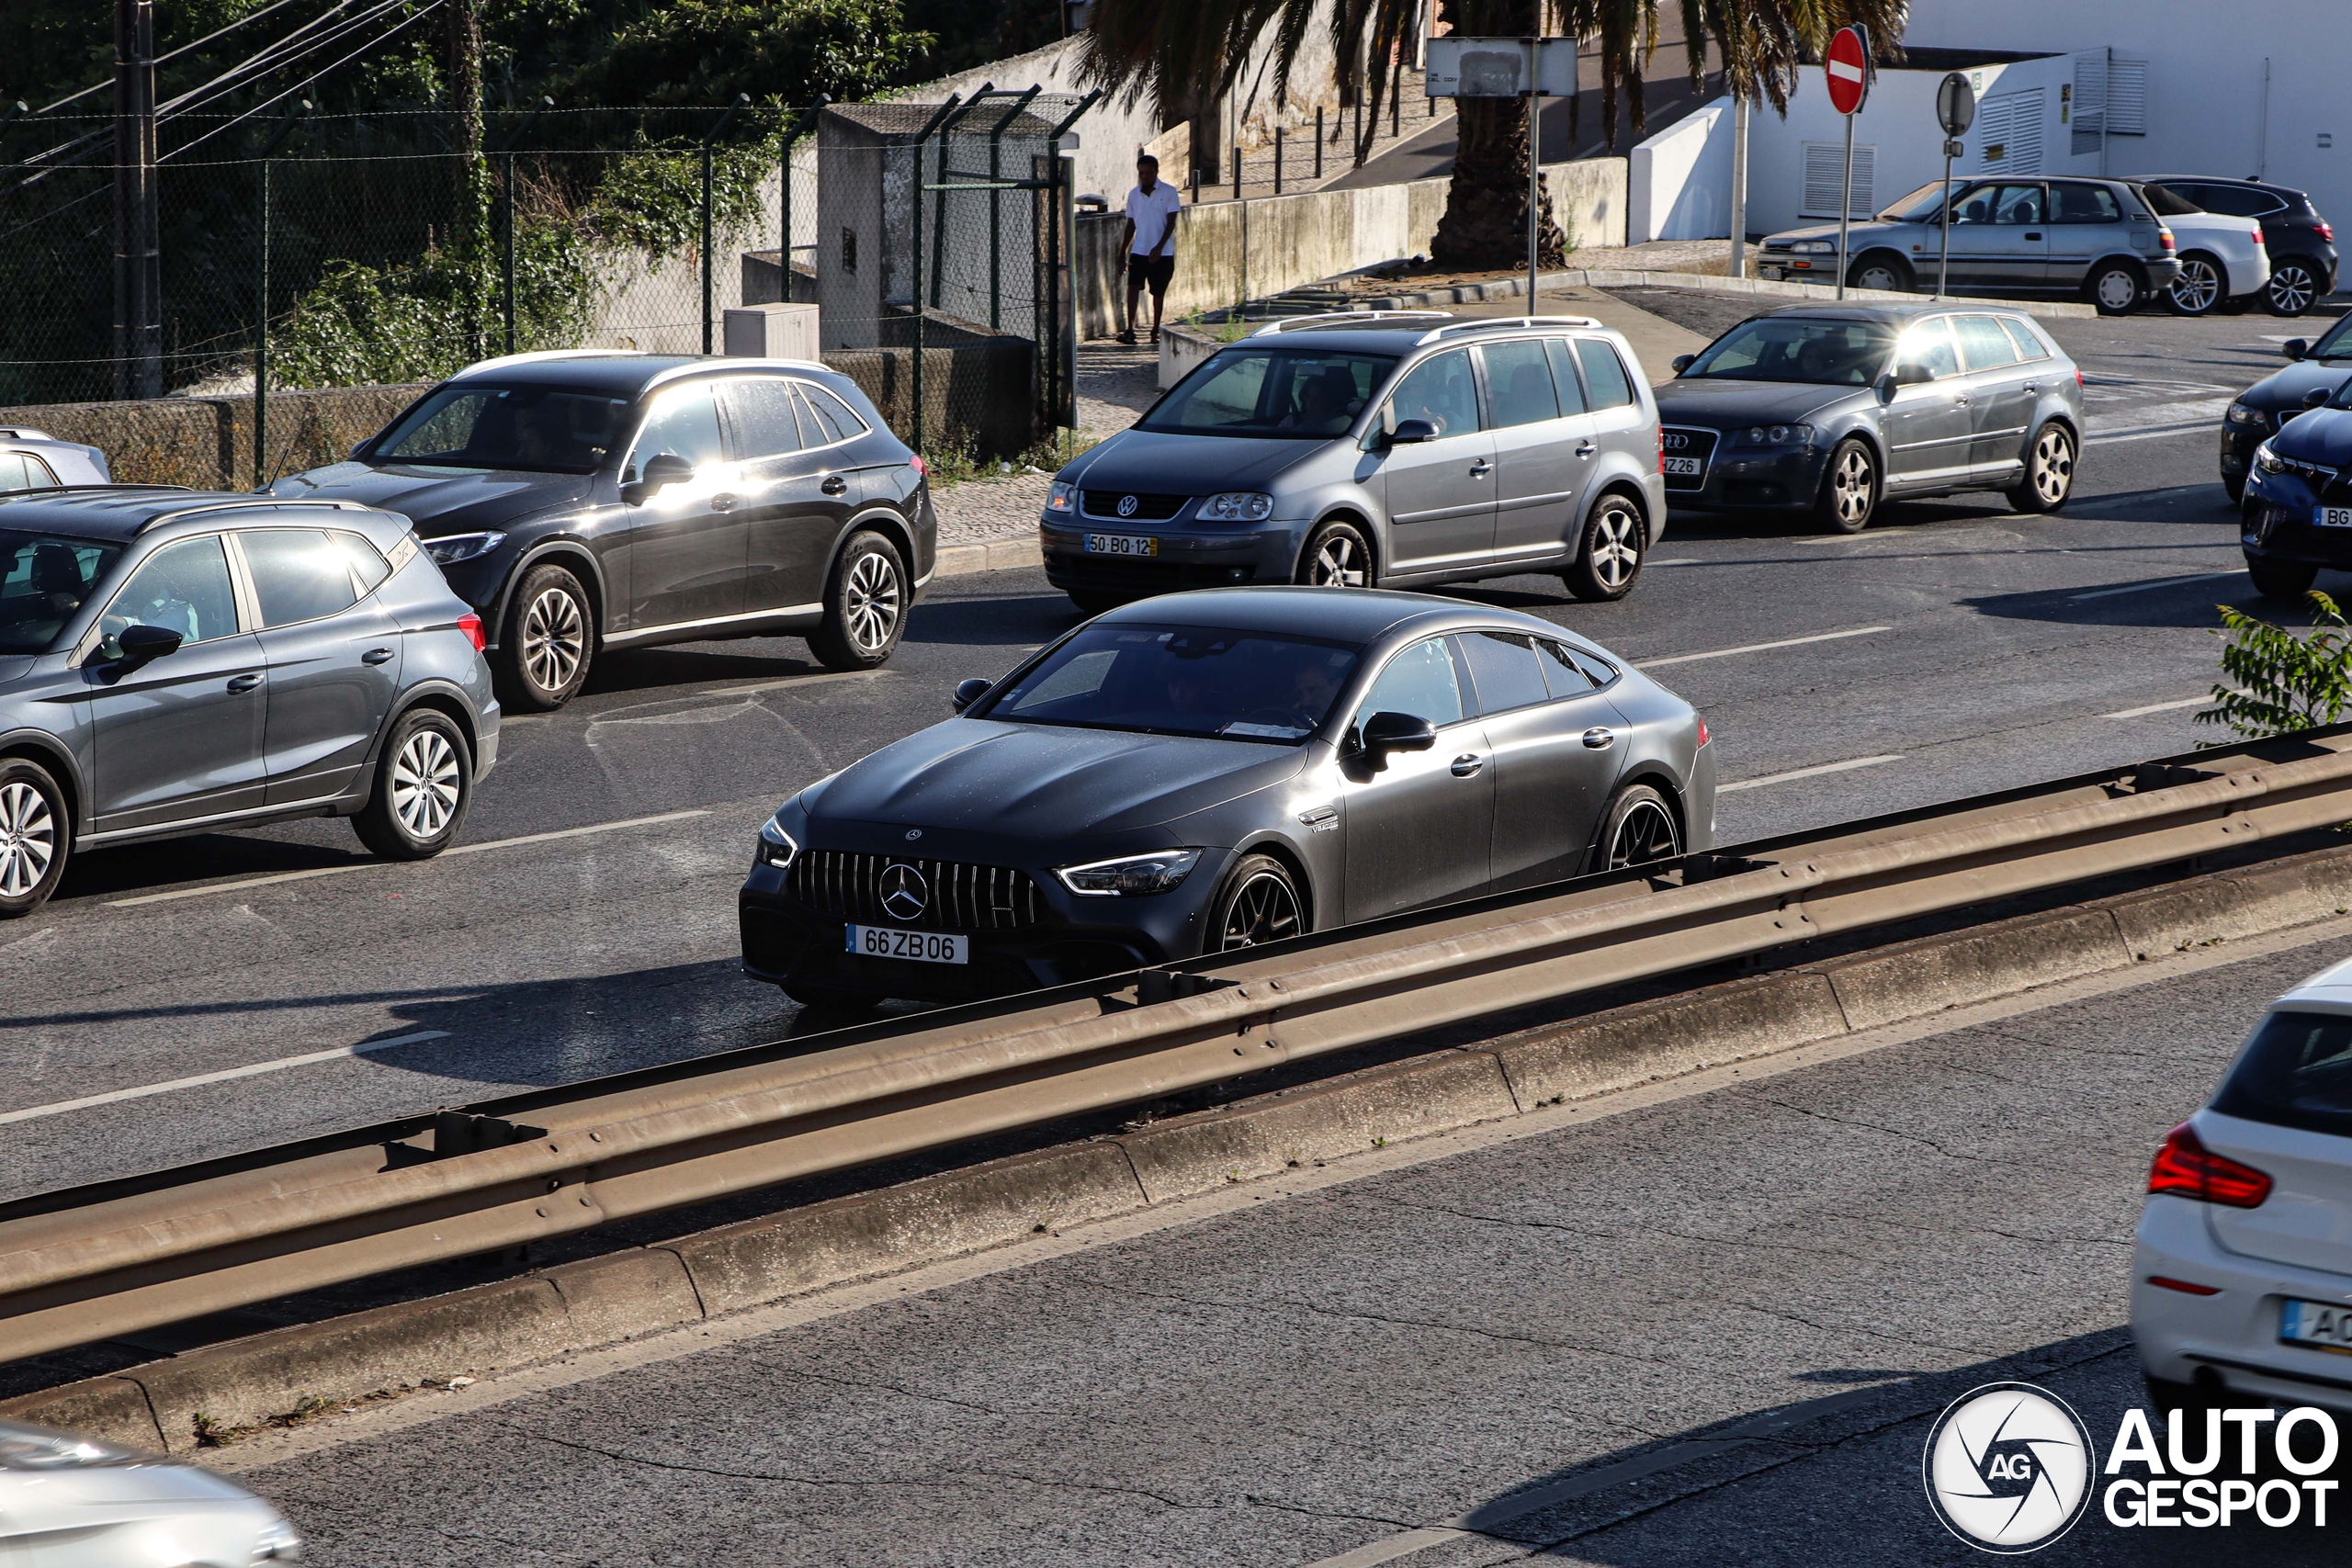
x=2287, y=388
x=15, y=667
x=443, y=501
x=1045, y=781
x=1187, y=465
x=2322, y=435
x=1721, y=403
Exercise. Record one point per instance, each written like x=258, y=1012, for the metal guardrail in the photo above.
x=89, y=1263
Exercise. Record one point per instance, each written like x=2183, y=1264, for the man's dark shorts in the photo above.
x=1150, y=272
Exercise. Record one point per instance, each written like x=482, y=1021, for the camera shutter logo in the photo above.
x=905, y=894
x=2008, y=1468
x=1127, y=506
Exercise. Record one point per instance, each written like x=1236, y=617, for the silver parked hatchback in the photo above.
x=1391, y=448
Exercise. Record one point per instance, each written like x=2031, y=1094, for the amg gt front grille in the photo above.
x=849, y=883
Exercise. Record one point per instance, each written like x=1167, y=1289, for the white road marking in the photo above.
x=2160, y=707
x=115, y=1097
x=2154, y=583
x=242, y=884
x=1679, y=561
x=1846, y=767
x=1758, y=648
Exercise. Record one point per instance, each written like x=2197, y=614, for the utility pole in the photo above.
x=138, y=268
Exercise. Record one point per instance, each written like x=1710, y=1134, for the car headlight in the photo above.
x=776, y=847
x=1776, y=435
x=462, y=546
x=36, y=1448
x=1238, y=506
x=279, y=1543
x=1061, y=497
x=1129, y=875
x=2241, y=414
x=1814, y=247
x=2269, y=461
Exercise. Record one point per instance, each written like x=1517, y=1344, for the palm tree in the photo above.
x=1186, y=53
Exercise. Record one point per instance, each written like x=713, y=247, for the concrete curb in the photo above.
x=990, y=555
x=582, y=1306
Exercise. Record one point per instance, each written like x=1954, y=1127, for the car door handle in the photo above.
x=834, y=484
x=2031, y=235
x=2031, y=386
x=1480, y=468
x=1586, y=449
x=1466, y=765
x=377, y=656
x=242, y=683
x=1599, y=739
x=722, y=501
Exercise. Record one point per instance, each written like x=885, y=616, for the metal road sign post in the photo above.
x=1530, y=67
x=1955, y=111
x=1847, y=68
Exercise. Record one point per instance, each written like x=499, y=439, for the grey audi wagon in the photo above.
x=174, y=661
x=1396, y=449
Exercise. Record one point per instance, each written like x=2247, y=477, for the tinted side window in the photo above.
x=2029, y=343
x=1503, y=667
x=367, y=565
x=1561, y=672
x=1985, y=345
x=299, y=574
x=683, y=423
x=1928, y=342
x=1440, y=391
x=2237, y=201
x=182, y=588
x=2295, y=1072
x=1564, y=376
x=2072, y=203
x=834, y=416
x=1518, y=383
x=767, y=424
x=1420, y=682
x=1603, y=374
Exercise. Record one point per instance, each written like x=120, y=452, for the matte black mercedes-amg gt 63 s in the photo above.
x=1211, y=769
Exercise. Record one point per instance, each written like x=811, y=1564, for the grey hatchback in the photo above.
x=1374, y=448
x=173, y=662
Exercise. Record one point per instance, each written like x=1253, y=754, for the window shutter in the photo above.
x=2008, y=132
x=1825, y=176
x=2127, y=99
x=2088, y=120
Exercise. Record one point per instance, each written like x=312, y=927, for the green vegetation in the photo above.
x=2283, y=682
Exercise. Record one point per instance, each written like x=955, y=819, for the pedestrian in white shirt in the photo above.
x=1152, y=206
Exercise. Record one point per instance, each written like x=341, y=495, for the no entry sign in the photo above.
x=1848, y=68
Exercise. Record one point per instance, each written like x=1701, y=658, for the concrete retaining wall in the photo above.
x=208, y=443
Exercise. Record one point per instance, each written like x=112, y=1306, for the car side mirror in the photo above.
x=359, y=450
x=2317, y=398
x=2296, y=347
x=661, y=470
x=1386, y=732
x=971, y=691
x=1682, y=362
x=144, y=644
x=1412, y=433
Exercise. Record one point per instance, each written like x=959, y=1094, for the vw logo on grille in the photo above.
x=904, y=892
x=1676, y=441
x=1127, y=506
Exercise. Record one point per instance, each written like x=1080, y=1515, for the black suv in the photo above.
x=2300, y=243
x=593, y=499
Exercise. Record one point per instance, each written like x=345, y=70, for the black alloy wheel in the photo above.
x=36, y=836
x=1609, y=557
x=2282, y=582
x=866, y=605
x=2293, y=287
x=1259, y=904
x=1337, y=555
x=2116, y=287
x=2200, y=289
x=1638, y=828
x=549, y=640
x=1882, y=270
x=2048, y=470
x=1848, y=488
x=424, y=782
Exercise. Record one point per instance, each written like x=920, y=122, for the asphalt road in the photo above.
x=1953, y=648
x=1710, y=1325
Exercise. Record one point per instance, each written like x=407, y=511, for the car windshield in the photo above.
x=42, y=581
x=2295, y=1072
x=1921, y=206
x=542, y=429
x=2167, y=203
x=1166, y=680
x=1284, y=393
x=2335, y=344
x=1797, y=348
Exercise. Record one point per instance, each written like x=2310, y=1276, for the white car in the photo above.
x=34, y=459
x=2221, y=258
x=69, y=1501
x=2242, y=1275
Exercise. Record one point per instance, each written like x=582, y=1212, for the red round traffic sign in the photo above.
x=1849, y=70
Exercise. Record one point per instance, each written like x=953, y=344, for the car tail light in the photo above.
x=470, y=623
x=922, y=468
x=2078, y=375
x=1705, y=734
x=1661, y=448
x=2184, y=1287
x=2258, y=235
x=2187, y=1168
x=2326, y=230
x=2164, y=238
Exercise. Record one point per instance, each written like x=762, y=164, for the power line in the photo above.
x=385, y=36
x=174, y=54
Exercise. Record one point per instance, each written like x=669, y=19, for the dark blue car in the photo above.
x=173, y=662
x=2296, y=512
